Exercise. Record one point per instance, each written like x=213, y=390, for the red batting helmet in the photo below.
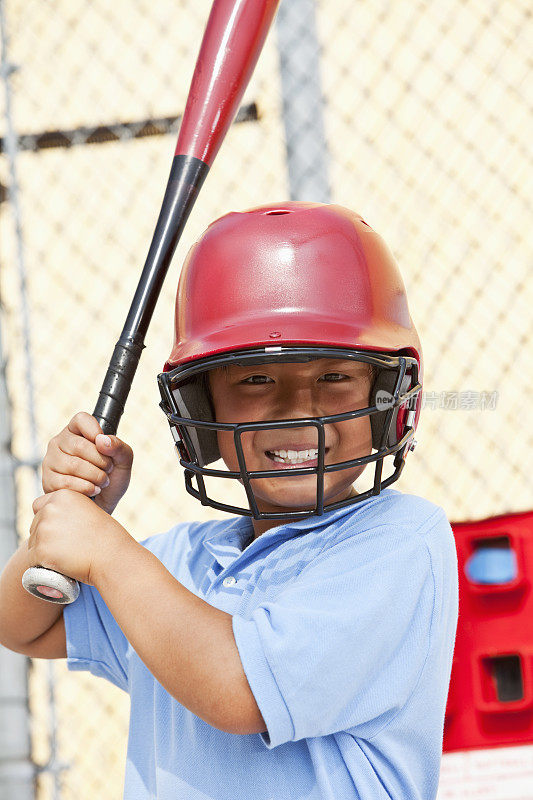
x=291, y=282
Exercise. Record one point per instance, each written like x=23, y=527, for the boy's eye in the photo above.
x=257, y=379
x=334, y=377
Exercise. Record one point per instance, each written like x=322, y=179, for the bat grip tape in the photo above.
x=117, y=383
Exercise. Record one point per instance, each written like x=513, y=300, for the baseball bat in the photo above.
x=232, y=41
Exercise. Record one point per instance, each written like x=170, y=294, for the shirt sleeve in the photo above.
x=344, y=646
x=95, y=641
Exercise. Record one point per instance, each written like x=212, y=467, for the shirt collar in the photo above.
x=230, y=537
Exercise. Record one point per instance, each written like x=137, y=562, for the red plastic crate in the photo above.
x=490, y=701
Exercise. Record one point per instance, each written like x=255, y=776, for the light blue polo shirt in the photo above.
x=345, y=625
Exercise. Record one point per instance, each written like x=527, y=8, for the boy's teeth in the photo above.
x=294, y=456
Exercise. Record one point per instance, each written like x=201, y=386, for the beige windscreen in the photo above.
x=427, y=120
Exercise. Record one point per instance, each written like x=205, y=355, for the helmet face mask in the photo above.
x=189, y=409
x=275, y=285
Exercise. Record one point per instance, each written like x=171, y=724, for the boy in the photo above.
x=302, y=649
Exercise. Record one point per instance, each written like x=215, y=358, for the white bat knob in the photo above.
x=51, y=586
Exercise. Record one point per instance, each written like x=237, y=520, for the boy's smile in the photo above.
x=295, y=455
x=285, y=391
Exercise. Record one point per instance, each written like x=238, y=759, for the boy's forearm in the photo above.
x=23, y=617
x=187, y=644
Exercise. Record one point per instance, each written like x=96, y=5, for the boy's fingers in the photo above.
x=84, y=424
x=57, y=481
x=76, y=445
x=119, y=451
x=67, y=464
x=39, y=503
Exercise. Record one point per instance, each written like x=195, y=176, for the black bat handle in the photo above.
x=117, y=383
x=186, y=177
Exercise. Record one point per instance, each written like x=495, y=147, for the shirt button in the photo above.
x=229, y=581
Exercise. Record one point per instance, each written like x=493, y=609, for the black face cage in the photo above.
x=403, y=390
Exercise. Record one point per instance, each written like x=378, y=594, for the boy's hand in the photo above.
x=81, y=458
x=70, y=534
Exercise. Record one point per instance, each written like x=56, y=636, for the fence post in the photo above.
x=18, y=773
x=303, y=103
x=16, y=768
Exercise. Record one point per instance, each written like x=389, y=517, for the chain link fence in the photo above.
x=415, y=114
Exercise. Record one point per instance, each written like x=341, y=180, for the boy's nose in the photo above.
x=297, y=402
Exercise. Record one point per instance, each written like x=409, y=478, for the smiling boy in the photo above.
x=301, y=648
x=321, y=387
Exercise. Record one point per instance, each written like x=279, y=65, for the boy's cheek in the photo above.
x=355, y=437
x=228, y=452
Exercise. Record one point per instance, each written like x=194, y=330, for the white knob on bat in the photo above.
x=51, y=586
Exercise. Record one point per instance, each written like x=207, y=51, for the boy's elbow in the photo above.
x=49, y=644
x=236, y=711
x=244, y=721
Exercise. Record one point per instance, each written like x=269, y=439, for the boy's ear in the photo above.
x=194, y=401
x=385, y=382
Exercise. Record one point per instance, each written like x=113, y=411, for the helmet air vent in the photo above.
x=277, y=212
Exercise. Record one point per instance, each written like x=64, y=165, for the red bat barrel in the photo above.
x=230, y=48
x=233, y=38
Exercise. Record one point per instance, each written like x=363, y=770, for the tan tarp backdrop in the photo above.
x=428, y=127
